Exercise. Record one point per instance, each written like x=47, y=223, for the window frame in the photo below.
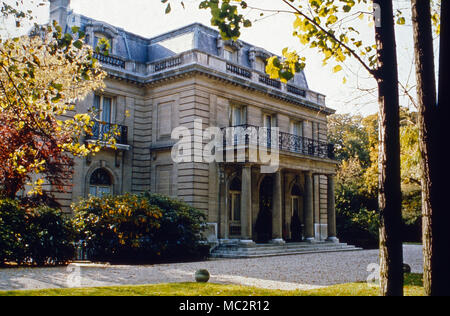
x=230, y=54
x=258, y=63
x=235, y=201
x=99, y=36
x=112, y=114
x=243, y=115
x=98, y=187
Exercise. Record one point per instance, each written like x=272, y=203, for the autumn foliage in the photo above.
x=41, y=131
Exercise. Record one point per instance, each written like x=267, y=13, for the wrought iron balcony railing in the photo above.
x=255, y=135
x=104, y=129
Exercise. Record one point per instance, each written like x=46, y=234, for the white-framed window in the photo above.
x=238, y=115
x=315, y=131
x=269, y=121
x=297, y=128
x=100, y=183
x=104, y=108
x=230, y=54
x=104, y=112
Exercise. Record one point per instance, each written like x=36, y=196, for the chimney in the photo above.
x=58, y=12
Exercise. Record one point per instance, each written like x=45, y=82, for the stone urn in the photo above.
x=202, y=276
x=406, y=268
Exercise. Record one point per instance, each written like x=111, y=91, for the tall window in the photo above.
x=103, y=107
x=269, y=121
x=238, y=115
x=100, y=183
x=235, y=201
x=297, y=130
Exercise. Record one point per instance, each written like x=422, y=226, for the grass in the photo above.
x=413, y=287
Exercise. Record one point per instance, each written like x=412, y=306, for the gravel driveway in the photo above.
x=306, y=271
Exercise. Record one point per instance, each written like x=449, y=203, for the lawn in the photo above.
x=413, y=287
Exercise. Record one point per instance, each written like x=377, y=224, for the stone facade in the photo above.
x=189, y=74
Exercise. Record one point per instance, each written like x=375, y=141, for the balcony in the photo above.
x=103, y=129
x=242, y=135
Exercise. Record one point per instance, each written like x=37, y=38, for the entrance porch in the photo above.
x=290, y=205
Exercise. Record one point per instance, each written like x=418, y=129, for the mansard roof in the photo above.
x=196, y=36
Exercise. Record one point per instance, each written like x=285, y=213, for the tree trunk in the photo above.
x=433, y=120
x=426, y=99
x=440, y=218
x=390, y=196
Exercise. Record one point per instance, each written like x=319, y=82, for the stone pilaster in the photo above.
x=331, y=210
x=277, y=219
x=309, y=209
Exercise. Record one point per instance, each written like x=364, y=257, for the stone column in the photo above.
x=277, y=217
x=331, y=210
x=246, y=206
x=309, y=210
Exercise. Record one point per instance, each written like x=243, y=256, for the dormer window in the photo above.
x=104, y=43
x=230, y=54
x=258, y=57
x=229, y=50
x=260, y=65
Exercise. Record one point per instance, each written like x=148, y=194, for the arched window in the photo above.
x=235, y=201
x=100, y=183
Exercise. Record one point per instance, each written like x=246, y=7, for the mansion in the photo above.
x=155, y=85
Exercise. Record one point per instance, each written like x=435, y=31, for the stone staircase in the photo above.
x=236, y=251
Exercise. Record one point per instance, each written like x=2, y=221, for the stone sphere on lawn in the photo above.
x=202, y=276
x=406, y=268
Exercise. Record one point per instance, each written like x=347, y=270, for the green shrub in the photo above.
x=12, y=232
x=51, y=237
x=357, y=218
x=179, y=235
x=359, y=228
x=145, y=228
x=117, y=227
x=34, y=235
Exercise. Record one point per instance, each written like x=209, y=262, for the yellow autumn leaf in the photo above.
x=337, y=68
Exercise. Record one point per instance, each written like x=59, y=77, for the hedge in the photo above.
x=34, y=235
x=139, y=228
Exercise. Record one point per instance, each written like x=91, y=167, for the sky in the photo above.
x=272, y=32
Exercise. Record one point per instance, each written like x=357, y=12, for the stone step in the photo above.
x=267, y=250
x=238, y=255
x=305, y=246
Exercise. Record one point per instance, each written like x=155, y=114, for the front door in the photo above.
x=263, y=227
